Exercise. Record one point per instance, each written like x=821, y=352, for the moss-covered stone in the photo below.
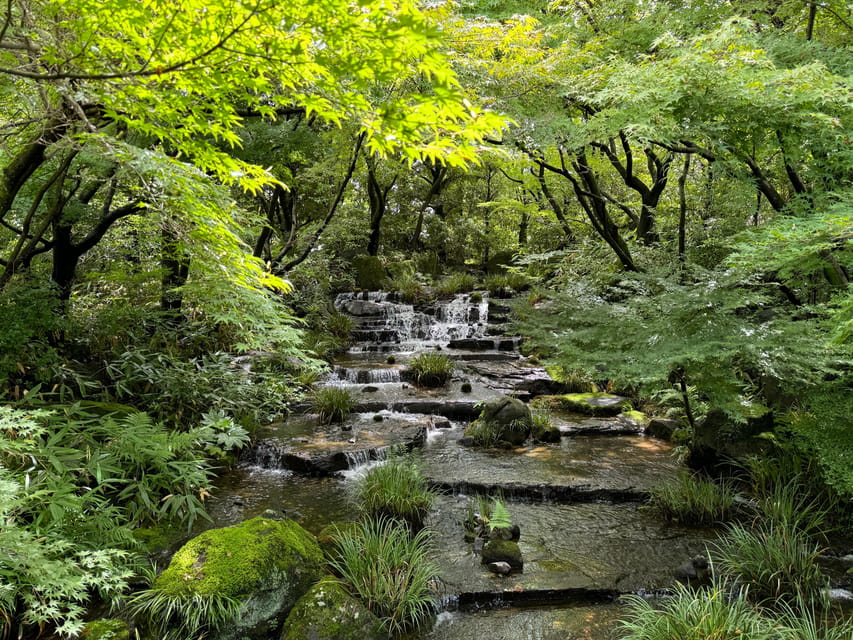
x=369, y=272
x=502, y=551
x=328, y=612
x=266, y=564
x=155, y=540
x=546, y=433
x=504, y=421
x=595, y=404
x=106, y=629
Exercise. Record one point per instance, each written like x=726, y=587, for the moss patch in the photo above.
x=637, y=416
x=328, y=612
x=106, y=629
x=594, y=404
x=502, y=551
x=235, y=561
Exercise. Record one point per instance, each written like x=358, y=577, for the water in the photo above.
x=383, y=324
x=585, y=538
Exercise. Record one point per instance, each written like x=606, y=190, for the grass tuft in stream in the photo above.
x=694, y=501
x=332, y=404
x=386, y=566
x=431, y=369
x=396, y=490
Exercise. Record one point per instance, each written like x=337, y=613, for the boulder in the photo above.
x=501, y=568
x=502, y=551
x=662, y=428
x=717, y=440
x=328, y=612
x=546, y=433
x=506, y=420
x=265, y=564
x=595, y=404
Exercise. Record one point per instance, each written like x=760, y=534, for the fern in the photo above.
x=500, y=517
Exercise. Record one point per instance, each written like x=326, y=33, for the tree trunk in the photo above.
x=176, y=268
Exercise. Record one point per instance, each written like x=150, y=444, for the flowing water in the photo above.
x=586, y=539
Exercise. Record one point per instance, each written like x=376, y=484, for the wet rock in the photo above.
x=369, y=389
x=502, y=551
x=594, y=404
x=696, y=572
x=501, y=568
x=662, y=428
x=363, y=308
x=546, y=433
x=467, y=441
x=328, y=612
x=841, y=598
x=440, y=422
x=265, y=564
x=512, y=533
x=718, y=441
x=505, y=420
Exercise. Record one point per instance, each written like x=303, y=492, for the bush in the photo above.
x=339, y=325
x=431, y=369
x=389, y=569
x=694, y=501
x=456, y=283
x=505, y=284
x=694, y=614
x=774, y=564
x=396, y=490
x=332, y=404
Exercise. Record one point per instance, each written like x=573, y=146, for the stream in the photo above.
x=586, y=539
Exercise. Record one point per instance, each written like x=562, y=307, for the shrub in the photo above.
x=504, y=284
x=389, y=569
x=774, y=564
x=396, y=490
x=456, y=283
x=696, y=501
x=694, y=614
x=332, y=404
x=339, y=325
x=178, y=617
x=431, y=369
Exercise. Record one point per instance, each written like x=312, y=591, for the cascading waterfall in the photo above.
x=379, y=321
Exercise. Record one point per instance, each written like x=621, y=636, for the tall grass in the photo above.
x=694, y=614
x=774, y=564
x=332, y=404
x=389, y=569
x=396, y=490
x=431, y=369
x=181, y=616
x=693, y=500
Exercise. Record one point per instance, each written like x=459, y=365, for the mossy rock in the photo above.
x=546, y=433
x=328, y=612
x=156, y=540
x=106, y=629
x=369, y=272
x=595, y=404
x=506, y=420
x=266, y=564
x=502, y=551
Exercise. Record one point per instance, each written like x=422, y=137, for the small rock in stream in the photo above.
x=501, y=568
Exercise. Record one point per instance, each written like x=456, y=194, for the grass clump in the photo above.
x=694, y=614
x=181, y=616
x=396, y=490
x=456, y=283
x=431, y=369
x=694, y=501
x=389, y=569
x=774, y=564
x=506, y=284
x=332, y=404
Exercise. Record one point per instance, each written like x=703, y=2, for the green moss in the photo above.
x=502, y=551
x=235, y=561
x=328, y=535
x=159, y=538
x=328, y=612
x=637, y=416
x=594, y=404
x=106, y=629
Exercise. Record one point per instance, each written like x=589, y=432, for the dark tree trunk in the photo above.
x=176, y=268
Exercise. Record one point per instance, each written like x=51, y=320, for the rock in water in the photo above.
x=502, y=551
x=501, y=568
x=327, y=612
x=265, y=564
